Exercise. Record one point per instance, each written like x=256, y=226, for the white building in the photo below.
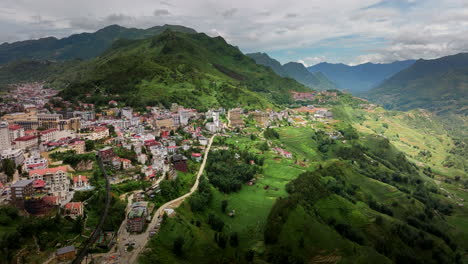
x=5, y=142
x=57, y=181
x=13, y=154
x=127, y=113
x=35, y=161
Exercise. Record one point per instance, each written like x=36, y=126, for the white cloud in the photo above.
x=430, y=28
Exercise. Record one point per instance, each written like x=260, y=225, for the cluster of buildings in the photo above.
x=321, y=96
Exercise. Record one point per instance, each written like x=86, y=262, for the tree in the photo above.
x=89, y=145
x=224, y=204
x=8, y=166
x=264, y=147
x=178, y=245
x=234, y=239
x=78, y=225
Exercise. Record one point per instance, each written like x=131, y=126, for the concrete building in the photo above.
x=13, y=154
x=57, y=181
x=26, y=142
x=127, y=112
x=5, y=142
x=20, y=190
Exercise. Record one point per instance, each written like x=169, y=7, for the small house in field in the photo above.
x=197, y=157
x=74, y=209
x=283, y=153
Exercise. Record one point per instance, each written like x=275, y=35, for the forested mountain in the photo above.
x=294, y=70
x=440, y=85
x=194, y=70
x=78, y=46
x=361, y=77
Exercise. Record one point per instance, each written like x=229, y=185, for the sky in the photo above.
x=307, y=31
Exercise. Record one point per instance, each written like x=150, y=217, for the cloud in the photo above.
x=357, y=30
x=161, y=12
x=229, y=13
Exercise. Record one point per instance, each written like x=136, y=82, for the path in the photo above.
x=140, y=240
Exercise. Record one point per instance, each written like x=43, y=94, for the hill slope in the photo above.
x=440, y=85
x=191, y=69
x=83, y=46
x=359, y=78
x=294, y=70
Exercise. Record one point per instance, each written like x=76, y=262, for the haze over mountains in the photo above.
x=294, y=70
x=359, y=78
x=440, y=85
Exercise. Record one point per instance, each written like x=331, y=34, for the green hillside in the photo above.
x=78, y=46
x=390, y=191
x=439, y=85
x=191, y=69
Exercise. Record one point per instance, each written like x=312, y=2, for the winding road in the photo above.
x=140, y=240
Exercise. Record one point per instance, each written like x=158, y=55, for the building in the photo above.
x=106, y=154
x=137, y=217
x=97, y=133
x=49, y=134
x=180, y=162
x=20, y=190
x=283, y=152
x=26, y=142
x=15, y=131
x=13, y=154
x=65, y=253
x=235, y=118
x=34, y=162
x=197, y=157
x=5, y=142
x=74, y=209
x=127, y=112
x=80, y=181
x=303, y=96
x=126, y=164
x=57, y=181
x=262, y=118
x=203, y=141
x=165, y=123
x=78, y=146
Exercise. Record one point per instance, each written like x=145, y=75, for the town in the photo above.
x=50, y=148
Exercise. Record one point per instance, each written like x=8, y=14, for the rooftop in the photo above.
x=22, y=183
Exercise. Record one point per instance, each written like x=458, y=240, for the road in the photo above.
x=140, y=240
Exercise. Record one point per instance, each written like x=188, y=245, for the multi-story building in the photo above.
x=74, y=209
x=106, y=154
x=57, y=181
x=35, y=162
x=13, y=154
x=5, y=142
x=262, y=118
x=16, y=131
x=137, y=217
x=127, y=112
x=97, y=133
x=80, y=181
x=49, y=134
x=20, y=190
x=26, y=142
x=78, y=146
x=235, y=118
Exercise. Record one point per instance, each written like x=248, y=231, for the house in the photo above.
x=57, y=181
x=283, y=152
x=73, y=209
x=126, y=164
x=106, y=154
x=180, y=162
x=172, y=149
x=142, y=158
x=203, y=141
x=20, y=190
x=197, y=157
x=80, y=181
x=65, y=253
x=116, y=163
x=78, y=146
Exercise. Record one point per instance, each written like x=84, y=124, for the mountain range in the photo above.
x=194, y=70
x=294, y=70
x=359, y=78
x=439, y=85
x=78, y=46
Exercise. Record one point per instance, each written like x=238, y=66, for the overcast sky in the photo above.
x=308, y=31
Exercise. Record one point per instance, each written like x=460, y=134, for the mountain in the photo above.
x=439, y=85
x=78, y=46
x=294, y=70
x=194, y=70
x=361, y=77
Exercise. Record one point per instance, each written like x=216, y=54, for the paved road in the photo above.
x=140, y=240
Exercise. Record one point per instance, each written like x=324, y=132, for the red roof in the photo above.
x=26, y=138
x=14, y=127
x=125, y=160
x=79, y=142
x=50, y=199
x=80, y=178
x=1, y=185
x=196, y=155
x=172, y=147
x=100, y=129
x=50, y=130
x=36, y=165
x=39, y=183
x=74, y=205
x=48, y=170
